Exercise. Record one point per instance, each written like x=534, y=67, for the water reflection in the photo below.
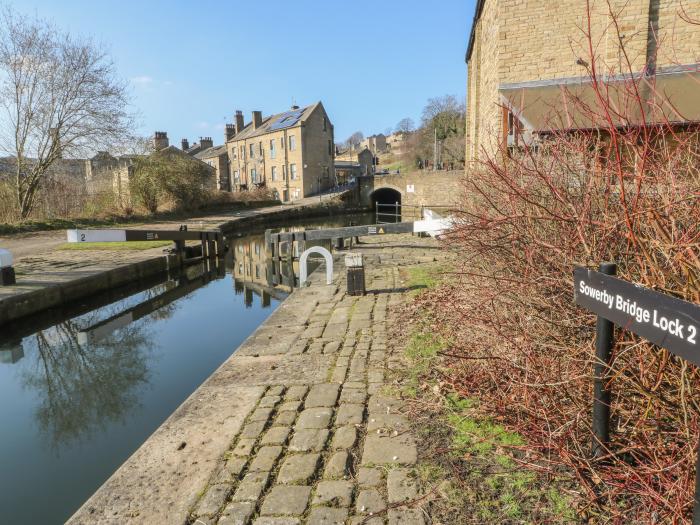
x=81, y=386
x=86, y=371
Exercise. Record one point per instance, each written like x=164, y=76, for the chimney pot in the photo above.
x=230, y=132
x=185, y=144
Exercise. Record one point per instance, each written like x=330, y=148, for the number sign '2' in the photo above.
x=662, y=319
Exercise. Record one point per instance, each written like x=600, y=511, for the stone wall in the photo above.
x=528, y=40
x=420, y=188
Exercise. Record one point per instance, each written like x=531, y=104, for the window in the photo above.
x=274, y=173
x=237, y=176
x=273, y=152
x=253, y=175
x=330, y=147
x=260, y=148
x=292, y=143
x=251, y=147
x=293, y=171
x=233, y=152
x=296, y=193
x=282, y=142
x=284, y=172
x=243, y=152
x=325, y=123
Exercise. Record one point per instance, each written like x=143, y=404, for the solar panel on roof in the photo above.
x=286, y=119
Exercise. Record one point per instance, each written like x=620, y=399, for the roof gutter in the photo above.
x=477, y=16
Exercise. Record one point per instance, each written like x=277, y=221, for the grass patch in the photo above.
x=114, y=246
x=423, y=277
x=479, y=479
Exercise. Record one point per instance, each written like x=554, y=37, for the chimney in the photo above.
x=240, y=123
x=185, y=144
x=206, y=143
x=160, y=140
x=295, y=107
x=230, y=132
x=257, y=119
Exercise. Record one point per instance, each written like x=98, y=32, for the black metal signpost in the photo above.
x=662, y=319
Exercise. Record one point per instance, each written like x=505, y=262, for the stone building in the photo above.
x=291, y=153
x=355, y=162
x=217, y=158
x=375, y=143
x=204, y=144
x=527, y=57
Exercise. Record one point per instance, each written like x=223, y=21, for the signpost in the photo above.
x=662, y=319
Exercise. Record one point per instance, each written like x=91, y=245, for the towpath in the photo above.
x=297, y=426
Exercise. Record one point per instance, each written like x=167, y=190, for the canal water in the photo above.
x=82, y=388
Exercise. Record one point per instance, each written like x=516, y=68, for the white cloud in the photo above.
x=142, y=80
x=203, y=125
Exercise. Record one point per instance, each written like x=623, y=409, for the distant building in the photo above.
x=291, y=153
x=526, y=60
x=376, y=143
x=204, y=144
x=217, y=158
x=352, y=163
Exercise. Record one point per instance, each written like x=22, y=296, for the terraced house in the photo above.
x=527, y=58
x=291, y=153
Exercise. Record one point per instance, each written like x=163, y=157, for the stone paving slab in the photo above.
x=320, y=439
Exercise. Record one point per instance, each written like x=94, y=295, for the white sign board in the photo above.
x=96, y=235
x=5, y=258
x=410, y=188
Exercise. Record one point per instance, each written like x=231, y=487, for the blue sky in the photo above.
x=192, y=64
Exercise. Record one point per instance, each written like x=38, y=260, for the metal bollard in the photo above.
x=7, y=272
x=356, y=274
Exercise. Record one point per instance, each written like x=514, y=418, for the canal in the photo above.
x=82, y=388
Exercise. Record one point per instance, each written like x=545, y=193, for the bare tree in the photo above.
x=405, y=125
x=353, y=141
x=58, y=96
x=444, y=123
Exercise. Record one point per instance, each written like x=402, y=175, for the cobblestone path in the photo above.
x=335, y=450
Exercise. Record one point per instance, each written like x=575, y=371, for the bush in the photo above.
x=167, y=177
x=626, y=194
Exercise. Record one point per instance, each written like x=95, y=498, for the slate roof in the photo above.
x=211, y=152
x=248, y=131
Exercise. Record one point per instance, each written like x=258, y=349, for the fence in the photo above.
x=397, y=212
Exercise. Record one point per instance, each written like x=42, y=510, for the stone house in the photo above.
x=526, y=59
x=217, y=158
x=291, y=153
